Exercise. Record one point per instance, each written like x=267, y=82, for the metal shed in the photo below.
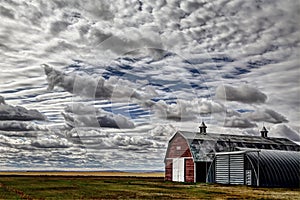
x=256, y=167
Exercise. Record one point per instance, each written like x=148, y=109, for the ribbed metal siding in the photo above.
x=236, y=169
x=230, y=169
x=222, y=169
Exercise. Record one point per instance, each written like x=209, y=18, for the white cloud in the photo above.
x=163, y=130
x=51, y=141
x=187, y=109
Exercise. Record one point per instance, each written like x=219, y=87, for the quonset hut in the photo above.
x=232, y=159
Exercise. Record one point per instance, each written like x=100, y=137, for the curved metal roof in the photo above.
x=276, y=168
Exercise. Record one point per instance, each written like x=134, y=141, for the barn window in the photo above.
x=178, y=148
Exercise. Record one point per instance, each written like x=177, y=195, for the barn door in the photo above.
x=178, y=170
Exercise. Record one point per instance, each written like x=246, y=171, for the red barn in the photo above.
x=190, y=156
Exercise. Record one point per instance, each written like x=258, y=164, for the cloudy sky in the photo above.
x=88, y=85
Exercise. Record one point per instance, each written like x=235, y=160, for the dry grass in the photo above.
x=77, y=186
x=74, y=173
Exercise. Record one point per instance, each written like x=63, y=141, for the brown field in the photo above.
x=76, y=173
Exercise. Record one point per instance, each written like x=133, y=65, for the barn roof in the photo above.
x=203, y=145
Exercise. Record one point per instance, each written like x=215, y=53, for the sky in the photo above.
x=103, y=85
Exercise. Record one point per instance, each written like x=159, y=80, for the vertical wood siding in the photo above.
x=168, y=170
x=189, y=170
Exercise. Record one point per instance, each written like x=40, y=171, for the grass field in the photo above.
x=122, y=187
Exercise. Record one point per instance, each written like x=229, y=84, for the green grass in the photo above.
x=6, y=194
x=129, y=188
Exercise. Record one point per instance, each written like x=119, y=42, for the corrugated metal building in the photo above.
x=231, y=159
x=256, y=167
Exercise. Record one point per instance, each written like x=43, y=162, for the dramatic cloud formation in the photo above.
x=79, y=115
x=91, y=86
x=152, y=67
x=244, y=93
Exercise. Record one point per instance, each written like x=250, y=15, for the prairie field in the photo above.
x=83, y=173
x=129, y=186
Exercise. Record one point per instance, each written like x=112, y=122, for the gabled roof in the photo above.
x=203, y=145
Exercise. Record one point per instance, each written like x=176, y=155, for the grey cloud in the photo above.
x=266, y=115
x=282, y=130
x=51, y=142
x=88, y=86
x=98, y=140
x=238, y=122
x=8, y=112
x=95, y=35
x=244, y=94
x=131, y=40
x=2, y=100
x=80, y=115
x=7, y=12
x=19, y=126
x=248, y=119
x=58, y=26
